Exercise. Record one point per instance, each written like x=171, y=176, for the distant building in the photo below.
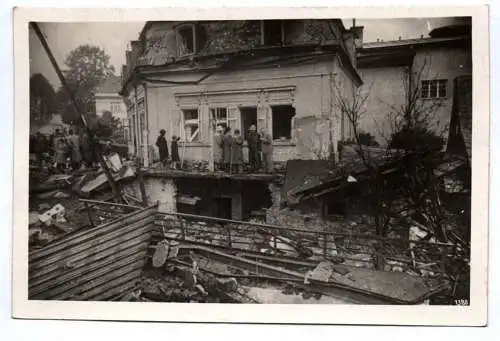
x=391, y=69
x=107, y=98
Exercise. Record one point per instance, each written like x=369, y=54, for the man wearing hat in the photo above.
x=253, y=140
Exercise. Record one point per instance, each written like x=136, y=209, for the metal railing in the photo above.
x=363, y=250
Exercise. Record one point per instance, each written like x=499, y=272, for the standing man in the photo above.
x=253, y=140
x=227, y=148
x=267, y=150
x=237, y=154
x=87, y=151
x=76, y=155
x=217, y=148
x=174, y=148
x=161, y=143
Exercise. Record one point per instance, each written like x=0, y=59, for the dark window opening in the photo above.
x=248, y=118
x=273, y=34
x=221, y=208
x=186, y=36
x=282, y=121
x=191, y=38
x=289, y=27
x=336, y=208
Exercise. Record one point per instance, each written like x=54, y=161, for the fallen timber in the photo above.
x=106, y=262
x=93, y=264
x=365, y=286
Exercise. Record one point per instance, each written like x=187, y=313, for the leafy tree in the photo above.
x=106, y=125
x=87, y=66
x=42, y=99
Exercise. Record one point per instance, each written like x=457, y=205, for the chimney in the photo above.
x=421, y=36
x=136, y=51
x=357, y=31
x=128, y=56
x=399, y=38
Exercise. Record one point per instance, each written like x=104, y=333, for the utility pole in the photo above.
x=92, y=142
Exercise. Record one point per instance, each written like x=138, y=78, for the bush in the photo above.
x=416, y=139
x=367, y=139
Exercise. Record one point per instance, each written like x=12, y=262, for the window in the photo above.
x=190, y=39
x=435, y=88
x=191, y=125
x=282, y=122
x=275, y=32
x=116, y=107
x=219, y=116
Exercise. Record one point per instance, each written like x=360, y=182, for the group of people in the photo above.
x=227, y=150
x=161, y=143
x=65, y=149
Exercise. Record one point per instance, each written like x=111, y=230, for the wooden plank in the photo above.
x=64, y=255
x=128, y=273
x=58, y=279
x=128, y=285
x=46, y=272
x=94, y=279
x=85, y=235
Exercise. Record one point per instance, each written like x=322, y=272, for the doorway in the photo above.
x=248, y=117
x=221, y=207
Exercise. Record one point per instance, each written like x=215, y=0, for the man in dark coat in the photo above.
x=227, y=147
x=174, y=147
x=253, y=140
x=162, y=145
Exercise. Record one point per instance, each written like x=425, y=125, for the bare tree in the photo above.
x=412, y=144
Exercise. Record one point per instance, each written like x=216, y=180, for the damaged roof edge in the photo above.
x=335, y=45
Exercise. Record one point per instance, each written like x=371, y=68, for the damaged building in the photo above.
x=188, y=77
x=391, y=69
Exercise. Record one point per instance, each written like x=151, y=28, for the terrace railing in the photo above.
x=363, y=250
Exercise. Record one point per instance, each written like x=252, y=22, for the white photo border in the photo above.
x=473, y=315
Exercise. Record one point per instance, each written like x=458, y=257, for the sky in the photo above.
x=114, y=38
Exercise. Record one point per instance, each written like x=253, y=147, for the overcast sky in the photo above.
x=114, y=38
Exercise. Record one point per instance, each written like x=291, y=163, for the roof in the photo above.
x=411, y=42
x=350, y=164
x=111, y=85
x=302, y=174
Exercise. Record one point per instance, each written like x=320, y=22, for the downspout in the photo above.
x=410, y=82
x=137, y=127
x=146, y=127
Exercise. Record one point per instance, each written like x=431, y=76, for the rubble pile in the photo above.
x=54, y=205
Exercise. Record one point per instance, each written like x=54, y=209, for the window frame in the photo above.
x=282, y=28
x=434, y=89
x=278, y=138
x=179, y=39
x=195, y=136
x=213, y=114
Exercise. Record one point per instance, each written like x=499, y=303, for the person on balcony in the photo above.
x=237, y=157
x=253, y=140
x=218, y=159
x=227, y=148
x=175, y=152
x=161, y=143
x=267, y=150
